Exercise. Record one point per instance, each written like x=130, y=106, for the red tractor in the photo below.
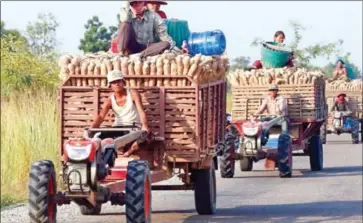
x=95, y=171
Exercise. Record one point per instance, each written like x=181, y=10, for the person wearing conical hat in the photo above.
x=154, y=5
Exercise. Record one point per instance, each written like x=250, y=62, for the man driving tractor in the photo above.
x=341, y=104
x=275, y=106
x=139, y=30
x=126, y=105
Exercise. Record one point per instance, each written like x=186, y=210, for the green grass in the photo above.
x=29, y=132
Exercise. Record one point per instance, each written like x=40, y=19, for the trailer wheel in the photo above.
x=315, y=149
x=227, y=160
x=355, y=132
x=205, y=195
x=138, y=192
x=90, y=211
x=284, y=156
x=323, y=133
x=42, y=189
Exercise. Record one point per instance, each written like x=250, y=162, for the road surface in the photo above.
x=333, y=195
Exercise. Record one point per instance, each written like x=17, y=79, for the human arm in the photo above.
x=101, y=116
x=126, y=13
x=140, y=108
x=162, y=31
x=262, y=108
x=282, y=105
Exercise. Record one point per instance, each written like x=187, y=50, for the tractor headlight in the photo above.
x=78, y=153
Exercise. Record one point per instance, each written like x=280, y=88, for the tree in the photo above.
x=15, y=33
x=21, y=70
x=240, y=63
x=305, y=55
x=97, y=37
x=42, y=35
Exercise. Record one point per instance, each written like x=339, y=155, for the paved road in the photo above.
x=334, y=195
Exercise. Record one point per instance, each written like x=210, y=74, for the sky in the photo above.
x=241, y=21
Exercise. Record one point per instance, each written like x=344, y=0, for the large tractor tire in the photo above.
x=284, y=156
x=323, y=133
x=355, y=131
x=315, y=149
x=90, y=211
x=138, y=192
x=42, y=190
x=205, y=195
x=227, y=160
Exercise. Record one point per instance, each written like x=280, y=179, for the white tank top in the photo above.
x=126, y=114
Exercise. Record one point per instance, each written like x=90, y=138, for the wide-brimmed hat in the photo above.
x=273, y=87
x=341, y=94
x=157, y=1
x=114, y=76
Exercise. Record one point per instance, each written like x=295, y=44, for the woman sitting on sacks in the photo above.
x=127, y=107
x=279, y=37
x=340, y=71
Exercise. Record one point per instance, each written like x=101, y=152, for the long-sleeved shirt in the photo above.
x=273, y=106
x=150, y=26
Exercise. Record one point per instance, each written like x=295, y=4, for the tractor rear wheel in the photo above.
x=284, y=156
x=42, y=190
x=227, y=160
x=205, y=195
x=315, y=149
x=323, y=133
x=138, y=192
x=90, y=211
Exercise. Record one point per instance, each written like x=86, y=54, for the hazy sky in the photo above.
x=241, y=21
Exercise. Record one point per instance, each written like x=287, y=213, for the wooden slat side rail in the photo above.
x=306, y=101
x=179, y=115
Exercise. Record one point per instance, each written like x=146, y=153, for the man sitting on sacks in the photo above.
x=126, y=105
x=139, y=29
x=275, y=106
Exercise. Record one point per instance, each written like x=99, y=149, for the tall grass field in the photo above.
x=29, y=131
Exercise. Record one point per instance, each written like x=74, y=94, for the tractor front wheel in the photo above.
x=205, y=195
x=90, y=211
x=284, y=156
x=138, y=192
x=355, y=131
x=323, y=133
x=315, y=149
x=42, y=190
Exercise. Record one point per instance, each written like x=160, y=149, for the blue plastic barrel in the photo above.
x=207, y=43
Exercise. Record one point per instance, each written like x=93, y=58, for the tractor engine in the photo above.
x=254, y=136
x=87, y=161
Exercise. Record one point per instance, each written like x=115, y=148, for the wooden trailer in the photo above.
x=307, y=112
